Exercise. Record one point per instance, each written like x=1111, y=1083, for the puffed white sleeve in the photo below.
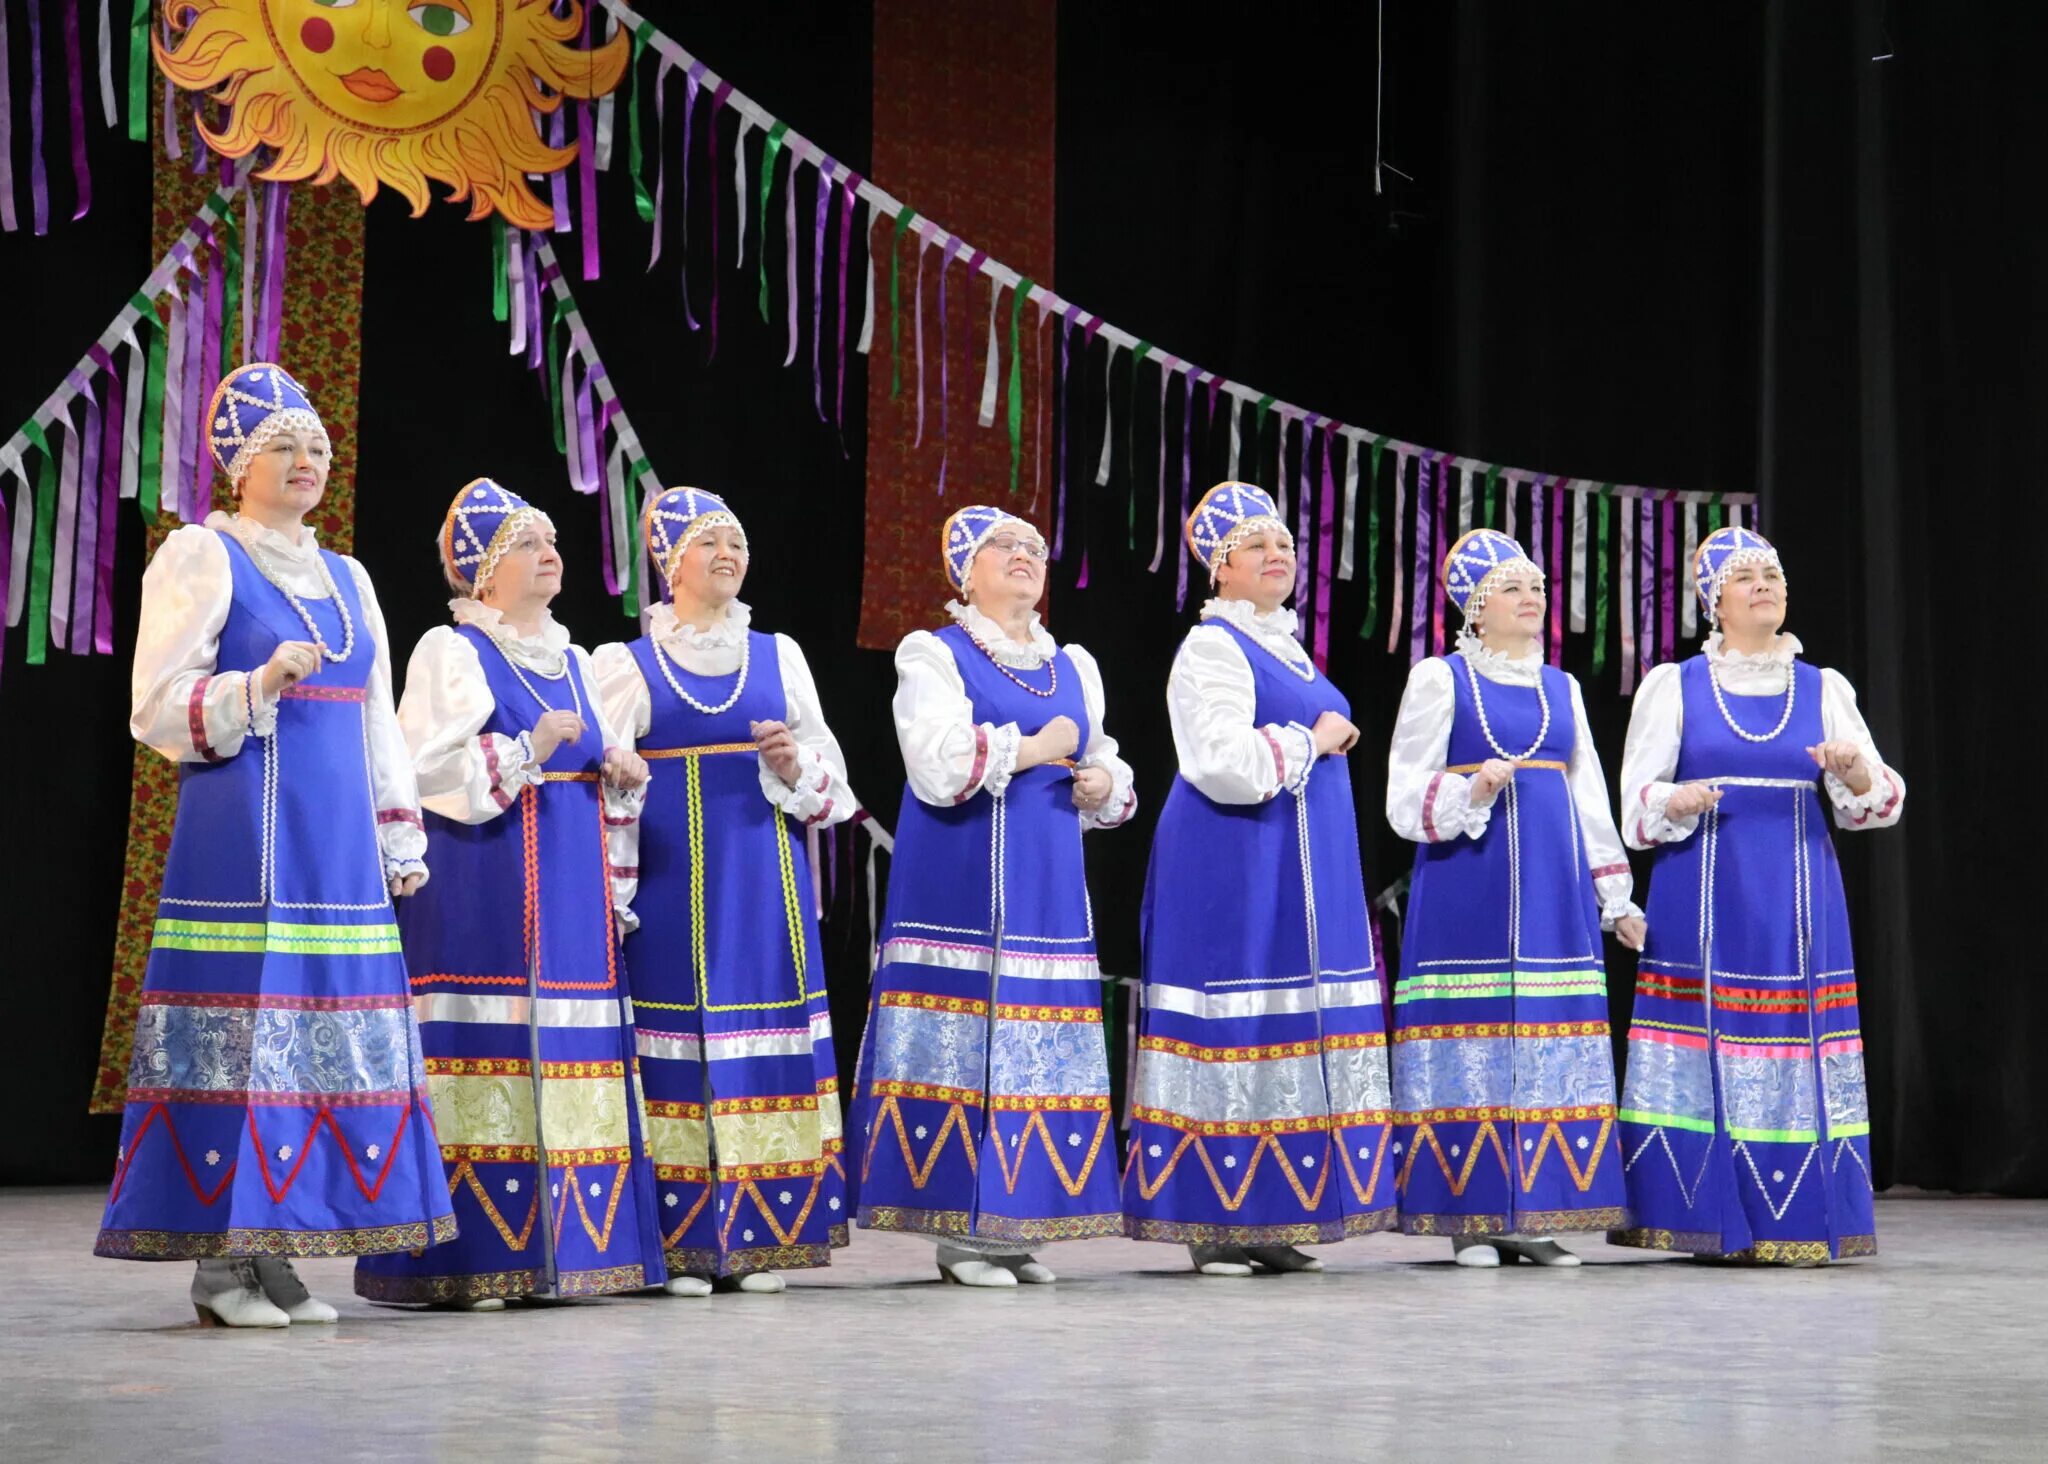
x=947, y=756
x=1101, y=751
x=1613, y=881
x=465, y=773
x=820, y=795
x=628, y=711
x=1424, y=802
x=1649, y=761
x=1841, y=720
x=401, y=832
x=1211, y=699
x=622, y=806
x=179, y=705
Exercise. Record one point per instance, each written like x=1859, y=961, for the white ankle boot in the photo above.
x=1474, y=1251
x=1541, y=1252
x=288, y=1293
x=1027, y=1269
x=968, y=1268
x=686, y=1285
x=1281, y=1258
x=226, y=1293
x=761, y=1283
x=1220, y=1260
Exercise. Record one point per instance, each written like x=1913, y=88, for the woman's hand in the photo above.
x=624, y=770
x=1689, y=799
x=1846, y=761
x=1631, y=931
x=405, y=884
x=1333, y=734
x=1494, y=774
x=291, y=663
x=778, y=750
x=552, y=730
x=1091, y=788
x=1056, y=739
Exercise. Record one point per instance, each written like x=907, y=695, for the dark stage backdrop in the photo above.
x=1714, y=248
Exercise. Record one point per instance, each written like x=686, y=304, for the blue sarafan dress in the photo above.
x=277, y=1104
x=1503, y=1063
x=1744, y=1117
x=983, y=1102
x=1260, y=1112
x=735, y=1028
x=518, y=982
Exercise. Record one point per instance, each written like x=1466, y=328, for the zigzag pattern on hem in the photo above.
x=945, y=1224
x=704, y=1261
x=1303, y=1232
x=1762, y=1253
x=607, y=1281
x=175, y=1245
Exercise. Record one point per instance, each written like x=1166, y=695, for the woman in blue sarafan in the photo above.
x=1503, y=1063
x=516, y=975
x=1261, y=1109
x=982, y=1113
x=1744, y=1120
x=735, y=1025
x=277, y=1104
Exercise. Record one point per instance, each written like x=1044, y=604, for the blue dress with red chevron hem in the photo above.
x=520, y=992
x=729, y=987
x=1745, y=1119
x=277, y=1100
x=1261, y=1110
x=982, y=1106
x=1503, y=1063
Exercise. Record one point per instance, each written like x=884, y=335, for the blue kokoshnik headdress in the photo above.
x=1475, y=565
x=1721, y=552
x=482, y=522
x=251, y=406
x=673, y=521
x=967, y=530
x=1229, y=514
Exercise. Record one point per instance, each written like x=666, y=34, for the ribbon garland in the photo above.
x=78, y=84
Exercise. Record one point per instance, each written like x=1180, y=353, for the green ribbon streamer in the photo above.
x=500, y=284
x=636, y=161
x=903, y=221
x=45, y=547
x=1714, y=514
x=630, y=601
x=768, y=154
x=231, y=300
x=138, y=73
x=150, y=475
x=1016, y=408
x=555, y=379
x=1372, y=542
x=1492, y=495
x=1138, y=353
x=1600, y=581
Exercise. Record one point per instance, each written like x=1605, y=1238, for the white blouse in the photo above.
x=1429, y=805
x=821, y=795
x=1649, y=759
x=184, y=709
x=1210, y=699
x=948, y=757
x=466, y=774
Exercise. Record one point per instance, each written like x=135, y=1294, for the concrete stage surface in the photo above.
x=1937, y=1347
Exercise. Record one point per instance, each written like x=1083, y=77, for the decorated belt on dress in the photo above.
x=1732, y=782
x=707, y=750
x=302, y=692
x=1520, y=762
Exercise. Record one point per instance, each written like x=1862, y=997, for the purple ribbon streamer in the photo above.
x=1326, y=538
x=1668, y=609
x=69, y=512
x=1303, y=549
x=9, y=220
x=110, y=501
x=1159, y=517
x=1560, y=571
x=1187, y=470
x=1418, y=628
x=38, y=178
x=1646, y=584
x=850, y=187
x=85, y=561
x=586, y=176
x=923, y=244
x=1088, y=333
x=558, y=181
x=661, y=158
x=74, y=77
x=209, y=373
x=536, y=354
x=195, y=326
x=690, y=86
x=953, y=247
x=1059, y=475
x=1436, y=550
x=276, y=243
x=171, y=144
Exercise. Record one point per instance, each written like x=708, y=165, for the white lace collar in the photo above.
x=677, y=636
x=996, y=641
x=1752, y=673
x=545, y=651
x=260, y=536
x=1523, y=670
x=1275, y=631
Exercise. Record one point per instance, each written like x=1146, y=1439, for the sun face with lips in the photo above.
x=393, y=91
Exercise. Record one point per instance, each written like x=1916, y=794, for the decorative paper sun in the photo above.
x=393, y=91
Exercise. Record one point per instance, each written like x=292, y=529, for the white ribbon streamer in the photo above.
x=1108, y=414
x=1578, y=588
x=107, y=103
x=1352, y=448
x=1464, y=501
x=867, y=319
x=1625, y=592
x=986, y=417
x=739, y=187
x=1236, y=417
x=131, y=418
x=67, y=512
x=1688, y=604
x=1400, y=559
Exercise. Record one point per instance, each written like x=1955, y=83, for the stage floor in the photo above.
x=1938, y=1346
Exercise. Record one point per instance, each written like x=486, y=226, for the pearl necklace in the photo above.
x=261, y=559
x=1050, y=662
x=1791, y=694
x=668, y=675
x=1306, y=669
x=575, y=696
x=1479, y=702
